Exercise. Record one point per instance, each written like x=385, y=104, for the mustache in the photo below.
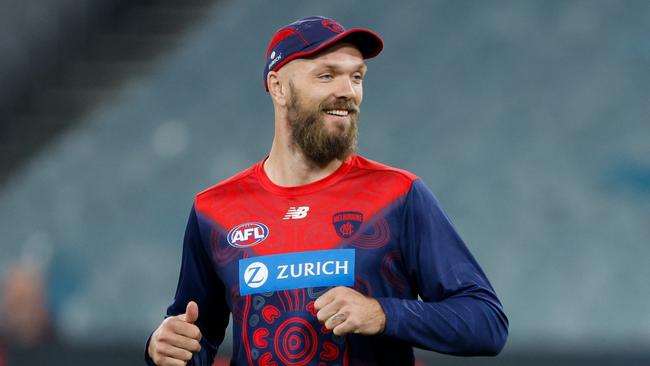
x=340, y=104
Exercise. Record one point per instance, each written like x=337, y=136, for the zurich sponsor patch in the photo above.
x=248, y=234
x=320, y=268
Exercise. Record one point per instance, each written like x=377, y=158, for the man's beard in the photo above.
x=310, y=134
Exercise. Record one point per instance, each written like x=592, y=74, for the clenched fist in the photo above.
x=345, y=310
x=176, y=338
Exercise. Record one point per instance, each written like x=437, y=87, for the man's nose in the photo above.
x=345, y=89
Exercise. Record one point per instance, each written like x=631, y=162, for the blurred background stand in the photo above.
x=528, y=119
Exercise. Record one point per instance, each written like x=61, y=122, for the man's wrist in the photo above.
x=390, y=316
x=381, y=317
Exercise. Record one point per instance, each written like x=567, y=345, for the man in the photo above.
x=319, y=254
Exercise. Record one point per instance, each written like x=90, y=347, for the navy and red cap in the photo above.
x=309, y=35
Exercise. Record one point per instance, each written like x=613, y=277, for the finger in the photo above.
x=174, y=352
x=327, y=312
x=191, y=312
x=185, y=329
x=168, y=361
x=344, y=328
x=183, y=342
x=335, y=320
x=325, y=298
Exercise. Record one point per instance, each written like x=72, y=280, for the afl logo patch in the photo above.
x=346, y=224
x=248, y=234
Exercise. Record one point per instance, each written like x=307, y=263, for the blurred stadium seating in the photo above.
x=528, y=119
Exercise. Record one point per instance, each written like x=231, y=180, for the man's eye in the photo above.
x=325, y=76
x=358, y=77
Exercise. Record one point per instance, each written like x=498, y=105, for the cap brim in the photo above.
x=367, y=41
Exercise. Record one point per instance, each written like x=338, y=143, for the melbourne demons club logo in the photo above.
x=346, y=224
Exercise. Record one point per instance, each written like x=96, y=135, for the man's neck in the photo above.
x=288, y=167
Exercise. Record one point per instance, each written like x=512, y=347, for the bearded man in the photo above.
x=324, y=257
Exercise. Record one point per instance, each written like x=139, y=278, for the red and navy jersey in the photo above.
x=265, y=253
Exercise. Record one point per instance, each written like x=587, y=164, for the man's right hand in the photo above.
x=176, y=338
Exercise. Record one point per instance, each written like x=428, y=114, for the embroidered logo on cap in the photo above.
x=333, y=26
x=274, y=59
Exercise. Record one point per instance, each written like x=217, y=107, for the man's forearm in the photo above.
x=463, y=325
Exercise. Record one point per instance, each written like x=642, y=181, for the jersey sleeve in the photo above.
x=199, y=282
x=459, y=312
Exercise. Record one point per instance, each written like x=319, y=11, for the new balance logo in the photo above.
x=296, y=213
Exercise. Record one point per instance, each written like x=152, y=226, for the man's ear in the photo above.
x=276, y=89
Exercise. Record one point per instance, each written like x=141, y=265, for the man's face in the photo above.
x=323, y=103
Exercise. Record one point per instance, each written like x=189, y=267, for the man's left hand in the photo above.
x=345, y=310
